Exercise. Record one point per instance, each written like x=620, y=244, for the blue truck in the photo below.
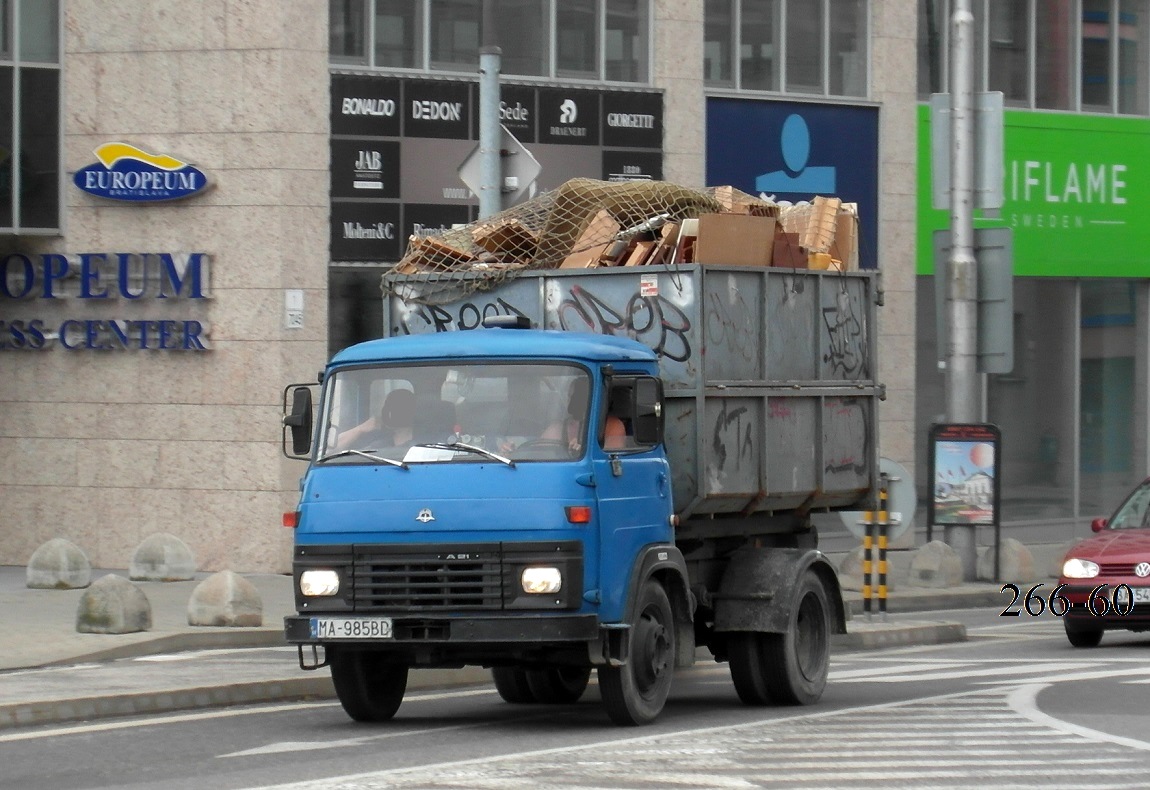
x=614, y=471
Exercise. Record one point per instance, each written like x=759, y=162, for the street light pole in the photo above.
x=963, y=396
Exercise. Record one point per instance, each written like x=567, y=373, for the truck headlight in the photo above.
x=316, y=583
x=1075, y=568
x=541, y=581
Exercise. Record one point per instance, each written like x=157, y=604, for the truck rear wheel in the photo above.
x=558, y=685
x=636, y=692
x=369, y=686
x=512, y=685
x=789, y=668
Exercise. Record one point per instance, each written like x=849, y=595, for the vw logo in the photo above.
x=425, y=515
x=1142, y=569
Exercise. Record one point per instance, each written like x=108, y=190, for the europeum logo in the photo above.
x=125, y=172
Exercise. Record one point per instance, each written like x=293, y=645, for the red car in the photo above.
x=1106, y=577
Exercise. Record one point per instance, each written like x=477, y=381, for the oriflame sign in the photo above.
x=124, y=172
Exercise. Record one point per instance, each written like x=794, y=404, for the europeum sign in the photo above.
x=125, y=172
x=79, y=282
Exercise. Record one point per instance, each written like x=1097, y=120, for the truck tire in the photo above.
x=512, y=685
x=369, y=686
x=559, y=685
x=789, y=668
x=1082, y=637
x=636, y=692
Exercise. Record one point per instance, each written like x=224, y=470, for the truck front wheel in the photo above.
x=369, y=686
x=789, y=668
x=636, y=692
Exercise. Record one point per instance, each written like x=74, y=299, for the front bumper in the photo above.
x=1130, y=616
x=445, y=631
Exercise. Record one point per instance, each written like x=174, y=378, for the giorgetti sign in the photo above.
x=124, y=172
x=79, y=282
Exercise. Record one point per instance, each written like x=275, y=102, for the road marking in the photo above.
x=1024, y=700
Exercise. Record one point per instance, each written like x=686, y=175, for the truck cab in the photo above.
x=520, y=518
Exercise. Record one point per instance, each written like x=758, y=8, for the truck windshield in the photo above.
x=527, y=411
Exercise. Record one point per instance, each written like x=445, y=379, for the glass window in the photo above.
x=354, y=306
x=848, y=48
x=718, y=44
x=1007, y=36
x=576, y=39
x=347, y=31
x=39, y=31
x=1133, y=27
x=455, y=34
x=1096, y=38
x=804, y=46
x=398, y=34
x=1135, y=511
x=932, y=40
x=625, y=41
x=521, y=31
x=759, y=46
x=6, y=146
x=5, y=46
x=39, y=147
x=1056, y=56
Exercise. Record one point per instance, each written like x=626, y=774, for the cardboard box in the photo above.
x=821, y=225
x=787, y=251
x=845, y=246
x=735, y=201
x=735, y=240
x=507, y=238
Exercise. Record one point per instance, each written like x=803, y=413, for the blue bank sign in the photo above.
x=32, y=286
x=794, y=151
x=124, y=172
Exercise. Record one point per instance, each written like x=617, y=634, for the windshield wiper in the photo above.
x=471, y=448
x=369, y=454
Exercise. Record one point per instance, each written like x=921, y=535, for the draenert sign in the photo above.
x=124, y=172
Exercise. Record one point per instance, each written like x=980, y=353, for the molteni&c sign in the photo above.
x=124, y=172
x=86, y=284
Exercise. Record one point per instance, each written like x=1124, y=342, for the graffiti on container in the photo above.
x=846, y=344
x=848, y=438
x=467, y=315
x=725, y=330
x=652, y=320
x=733, y=429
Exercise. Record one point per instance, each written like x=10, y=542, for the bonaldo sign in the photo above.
x=120, y=281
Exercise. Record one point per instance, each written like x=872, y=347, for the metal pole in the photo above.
x=963, y=391
x=490, y=171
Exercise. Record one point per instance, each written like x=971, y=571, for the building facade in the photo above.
x=198, y=199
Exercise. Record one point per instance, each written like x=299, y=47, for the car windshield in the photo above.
x=1134, y=511
x=476, y=412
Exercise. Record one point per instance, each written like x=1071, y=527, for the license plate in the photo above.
x=1122, y=595
x=351, y=628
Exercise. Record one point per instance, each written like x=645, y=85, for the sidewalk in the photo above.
x=50, y=673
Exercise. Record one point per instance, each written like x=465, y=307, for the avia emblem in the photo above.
x=425, y=515
x=1142, y=569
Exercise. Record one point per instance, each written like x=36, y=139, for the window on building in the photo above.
x=398, y=34
x=812, y=47
x=598, y=40
x=347, y=31
x=625, y=41
x=30, y=122
x=577, y=39
x=1077, y=55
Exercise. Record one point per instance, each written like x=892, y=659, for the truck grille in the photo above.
x=398, y=582
x=468, y=577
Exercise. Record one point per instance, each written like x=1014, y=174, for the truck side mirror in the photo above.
x=298, y=421
x=648, y=410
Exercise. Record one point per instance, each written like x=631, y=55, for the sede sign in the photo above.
x=100, y=279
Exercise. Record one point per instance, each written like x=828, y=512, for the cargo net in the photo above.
x=584, y=223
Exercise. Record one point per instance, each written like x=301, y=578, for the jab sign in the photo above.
x=124, y=172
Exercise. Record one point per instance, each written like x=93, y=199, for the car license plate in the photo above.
x=1122, y=595
x=351, y=628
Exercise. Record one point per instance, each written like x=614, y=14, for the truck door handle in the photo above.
x=661, y=481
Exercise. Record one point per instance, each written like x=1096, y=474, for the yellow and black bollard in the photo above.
x=868, y=546
x=883, y=527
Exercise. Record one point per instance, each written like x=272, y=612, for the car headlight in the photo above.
x=541, y=581
x=1075, y=568
x=317, y=583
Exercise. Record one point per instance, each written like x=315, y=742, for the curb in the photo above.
x=874, y=636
